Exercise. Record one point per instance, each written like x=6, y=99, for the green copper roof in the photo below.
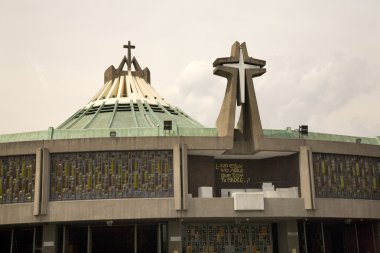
x=138, y=114
x=128, y=106
x=127, y=101
x=125, y=106
x=290, y=134
x=54, y=134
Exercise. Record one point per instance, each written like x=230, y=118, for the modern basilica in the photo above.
x=130, y=172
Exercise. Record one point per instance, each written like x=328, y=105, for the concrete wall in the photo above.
x=201, y=173
x=163, y=208
x=175, y=236
x=193, y=143
x=49, y=238
x=281, y=171
x=377, y=236
x=288, y=237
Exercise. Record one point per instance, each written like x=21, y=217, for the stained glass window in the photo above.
x=17, y=179
x=222, y=238
x=344, y=176
x=119, y=174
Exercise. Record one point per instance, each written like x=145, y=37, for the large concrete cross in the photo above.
x=242, y=66
x=129, y=60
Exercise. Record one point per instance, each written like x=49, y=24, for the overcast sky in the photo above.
x=323, y=58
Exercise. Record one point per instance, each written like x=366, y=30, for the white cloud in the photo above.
x=331, y=95
x=337, y=95
x=198, y=92
x=40, y=71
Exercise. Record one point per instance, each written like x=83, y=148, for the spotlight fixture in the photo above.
x=303, y=130
x=167, y=125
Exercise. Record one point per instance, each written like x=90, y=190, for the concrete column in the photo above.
x=288, y=237
x=89, y=239
x=175, y=236
x=306, y=177
x=159, y=238
x=65, y=239
x=45, y=181
x=177, y=176
x=49, y=238
x=135, y=239
x=37, y=183
x=185, y=178
x=12, y=237
x=376, y=235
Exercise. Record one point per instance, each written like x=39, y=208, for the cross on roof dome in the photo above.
x=129, y=60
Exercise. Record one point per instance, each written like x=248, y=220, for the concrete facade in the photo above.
x=284, y=162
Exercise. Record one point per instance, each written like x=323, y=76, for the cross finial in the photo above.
x=242, y=62
x=129, y=60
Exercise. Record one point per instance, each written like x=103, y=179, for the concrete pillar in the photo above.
x=45, y=182
x=177, y=176
x=65, y=239
x=376, y=235
x=12, y=238
x=89, y=239
x=288, y=237
x=185, y=183
x=175, y=236
x=37, y=183
x=159, y=238
x=306, y=177
x=49, y=238
x=135, y=239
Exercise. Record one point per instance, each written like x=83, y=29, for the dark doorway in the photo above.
x=340, y=237
x=113, y=239
x=314, y=236
x=146, y=238
x=5, y=240
x=336, y=236
x=23, y=240
x=365, y=237
x=77, y=239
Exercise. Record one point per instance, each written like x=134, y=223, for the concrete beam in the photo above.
x=306, y=178
x=37, y=183
x=185, y=178
x=49, y=238
x=288, y=237
x=45, y=181
x=199, y=208
x=175, y=236
x=177, y=177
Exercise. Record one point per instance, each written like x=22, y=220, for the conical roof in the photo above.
x=127, y=100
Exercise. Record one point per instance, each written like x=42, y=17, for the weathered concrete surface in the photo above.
x=115, y=144
x=163, y=208
x=17, y=213
x=285, y=208
x=193, y=143
x=288, y=237
x=49, y=238
x=305, y=178
x=106, y=209
x=175, y=232
x=177, y=177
